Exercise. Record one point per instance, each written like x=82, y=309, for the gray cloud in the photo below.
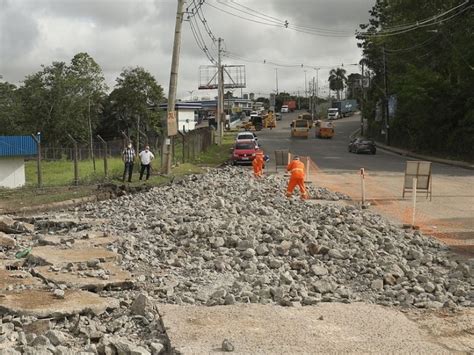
x=124, y=33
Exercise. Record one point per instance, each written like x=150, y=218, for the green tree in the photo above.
x=430, y=69
x=10, y=110
x=354, y=88
x=57, y=99
x=337, y=80
x=133, y=105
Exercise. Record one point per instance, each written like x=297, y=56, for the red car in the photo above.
x=244, y=152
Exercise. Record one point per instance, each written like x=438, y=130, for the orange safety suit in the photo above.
x=257, y=164
x=296, y=169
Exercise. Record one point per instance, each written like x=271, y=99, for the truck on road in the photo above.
x=341, y=109
x=291, y=105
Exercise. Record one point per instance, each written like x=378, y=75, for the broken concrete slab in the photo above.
x=43, y=304
x=51, y=255
x=14, y=278
x=11, y=226
x=116, y=277
x=90, y=240
x=6, y=241
x=267, y=329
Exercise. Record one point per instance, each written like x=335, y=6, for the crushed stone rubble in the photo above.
x=224, y=237
x=219, y=238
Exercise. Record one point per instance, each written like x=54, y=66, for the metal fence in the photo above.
x=186, y=147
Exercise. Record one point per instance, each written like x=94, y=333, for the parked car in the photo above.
x=244, y=152
x=246, y=136
x=362, y=145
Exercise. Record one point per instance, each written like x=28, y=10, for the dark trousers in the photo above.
x=142, y=170
x=128, y=167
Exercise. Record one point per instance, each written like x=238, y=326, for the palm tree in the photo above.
x=337, y=80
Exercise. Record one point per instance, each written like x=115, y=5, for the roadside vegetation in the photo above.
x=429, y=73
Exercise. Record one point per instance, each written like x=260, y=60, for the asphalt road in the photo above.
x=332, y=154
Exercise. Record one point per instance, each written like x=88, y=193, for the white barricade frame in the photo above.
x=421, y=171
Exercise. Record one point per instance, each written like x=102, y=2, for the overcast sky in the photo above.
x=123, y=33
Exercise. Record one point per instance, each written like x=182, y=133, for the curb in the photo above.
x=407, y=153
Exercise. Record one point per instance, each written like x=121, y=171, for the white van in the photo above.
x=284, y=109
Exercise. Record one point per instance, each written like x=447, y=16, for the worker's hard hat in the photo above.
x=296, y=157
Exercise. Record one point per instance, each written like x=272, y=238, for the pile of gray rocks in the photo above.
x=224, y=237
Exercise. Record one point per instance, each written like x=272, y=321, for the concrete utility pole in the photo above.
x=317, y=89
x=171, y=123
x=312, y=100
x=385, y=81
x=220, y=95
x=305, y=86
x=362, y=103
x=276, y=78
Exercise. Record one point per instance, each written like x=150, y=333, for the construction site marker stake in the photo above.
x=362, y=181
x=415, y=182
x=307, y=169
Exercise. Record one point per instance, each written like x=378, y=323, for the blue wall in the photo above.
x=14, y=146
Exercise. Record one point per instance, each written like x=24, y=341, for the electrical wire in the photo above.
x=282, y=65
x=422, y=22
x=259, y=17
x=390, y=34
x=416, y=46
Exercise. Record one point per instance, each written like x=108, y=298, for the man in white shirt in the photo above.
x=145, y=158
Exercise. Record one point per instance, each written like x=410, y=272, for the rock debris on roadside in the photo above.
x=224, y=237
x=218, y=239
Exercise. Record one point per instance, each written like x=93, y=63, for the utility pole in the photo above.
x=385, y=81
x=305, y=87
x=312, y=100
x=220, y=94
x=317, y=89
x=362, y=103
x=276, y=78
x=171, y=126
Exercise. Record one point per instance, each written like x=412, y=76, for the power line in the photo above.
x=436, y=20
x=283, y=65
x=416, y=46
x=230, y=13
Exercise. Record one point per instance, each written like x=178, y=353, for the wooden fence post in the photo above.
x=37, y=139
x=76, y=167
x=104, y=143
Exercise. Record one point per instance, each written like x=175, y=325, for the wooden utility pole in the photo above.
x=171, y=126
x=220, y=94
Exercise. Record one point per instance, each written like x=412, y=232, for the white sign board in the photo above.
x=421, y=170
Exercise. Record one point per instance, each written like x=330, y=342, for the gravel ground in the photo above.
x=224, y=238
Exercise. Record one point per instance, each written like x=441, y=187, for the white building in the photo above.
x=187, y=115
x=13, y=150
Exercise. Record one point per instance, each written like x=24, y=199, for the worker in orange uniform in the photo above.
x=296, y=169
x=258, y=163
